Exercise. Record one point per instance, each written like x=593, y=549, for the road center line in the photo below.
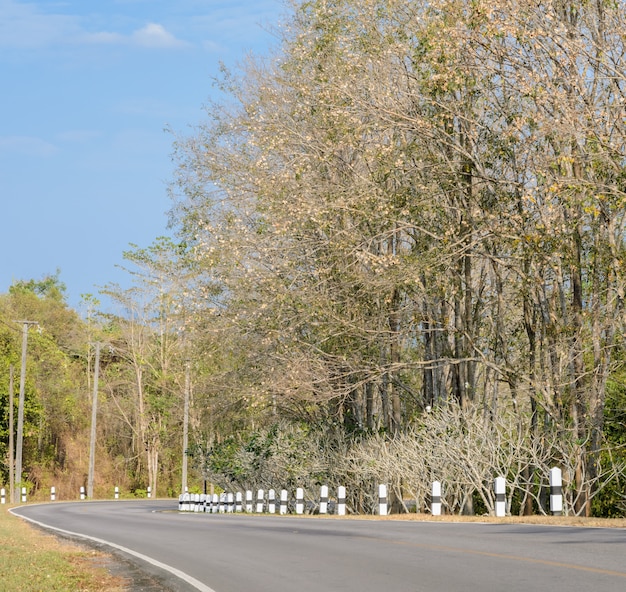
x=608, y=572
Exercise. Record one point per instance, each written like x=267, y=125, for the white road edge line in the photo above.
x=176, y=572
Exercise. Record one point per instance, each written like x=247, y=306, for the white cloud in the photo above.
x=30, y=26
x=155, y=35
x=27, y=146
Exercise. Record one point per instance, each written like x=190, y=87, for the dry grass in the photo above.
x=545, y=520
x=32, y=561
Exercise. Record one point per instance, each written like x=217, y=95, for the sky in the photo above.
x=88, y=90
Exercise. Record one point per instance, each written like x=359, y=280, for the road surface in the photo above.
x=241, y=553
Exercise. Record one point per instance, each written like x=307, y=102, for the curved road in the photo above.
x=240, y=553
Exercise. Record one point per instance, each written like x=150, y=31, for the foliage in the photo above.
x=401, y=237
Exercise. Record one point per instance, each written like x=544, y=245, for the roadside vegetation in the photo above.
x=32, y=561
x=397, y=256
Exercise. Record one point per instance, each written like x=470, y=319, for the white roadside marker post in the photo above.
x=435, y=499
x=230, y=503
x=238, y=502
x=556, y=491
x=82, y=492
x=299, y=500
x=117, y=492
x=23, y=495
x=500, y=491
x=341, y=501
x=283, y=501
x=149, y=493
x=324, y=499
x=382, y=500
x=3, y=496
x=53, y=494
x=260, y=501
x=271, y=501
x=249, y=501
x=215, y=505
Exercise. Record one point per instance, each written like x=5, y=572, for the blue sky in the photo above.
x=88, y=88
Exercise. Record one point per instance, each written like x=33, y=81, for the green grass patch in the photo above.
x=32, y=561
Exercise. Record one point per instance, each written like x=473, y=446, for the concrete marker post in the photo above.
x=249, y=501
x=499, y=487
x=260, y=501
x=299, y=500
x=53, y=494
x=196, y=500
x=382, y=500
x=238, y=502
x=82, y=492
x=284, y=496
x=556, y=491
x=23, y=495
x=149, y=493
x=3, y=496
x=271, y=501
x=117, y=492
x=324, y=499
x=230, y=503
x=215, y=506
x=435, y=499
x=341, y=501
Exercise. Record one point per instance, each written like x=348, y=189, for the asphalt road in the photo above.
x=240, y=553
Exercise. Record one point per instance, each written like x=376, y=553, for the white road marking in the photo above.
x=176, y=572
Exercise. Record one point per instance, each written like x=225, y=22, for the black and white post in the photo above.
x=260, y=501
x=53, y=494
x=249, y=501
x=271, y=501
x=238, y=502
x=382, y=500
x=500, y=491
x=299, y=500
x=341, y=501
x=435, y=499
x=324, y=499
x=3, y=496
x=283, y=501
x=556, y=491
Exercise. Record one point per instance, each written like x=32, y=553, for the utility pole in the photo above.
x=186, y=423
x=94, y=411
x=11, y=440
x=20, y=409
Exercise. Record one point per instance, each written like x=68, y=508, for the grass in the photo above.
x=535, y=519
x=32, y=561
